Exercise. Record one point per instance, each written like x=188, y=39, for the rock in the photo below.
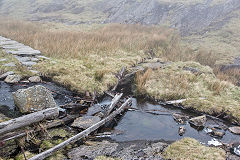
x=235, y=130
x=12, y=79
x=35, y=79
x=179, y=118
x=6, y=74
x=198, y=121
x=43, y=57
x=34, y=98
x=11, y=64
x=214, y=142
x=29, y=63
x=235, y=149
x=2, y=60
x=85, y=122
x=22, y=59
x=193, y=70
x=92, y=150
x=181, y=130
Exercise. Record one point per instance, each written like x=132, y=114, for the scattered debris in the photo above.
x=214, y=142
x=198, y=121
x=235, y=130
x=181, y=130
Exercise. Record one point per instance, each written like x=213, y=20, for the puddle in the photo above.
x=139, y=125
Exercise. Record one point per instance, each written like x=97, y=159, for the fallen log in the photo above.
x=82, y=134
x=22, y=133
x=26, y=120
x=115, y=100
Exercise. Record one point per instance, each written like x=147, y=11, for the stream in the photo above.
x=146, y=121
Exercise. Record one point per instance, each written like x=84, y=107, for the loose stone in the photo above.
x=12, y=79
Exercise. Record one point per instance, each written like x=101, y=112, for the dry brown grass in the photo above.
x=141, y=78
x=88, y=60
x=75, y=44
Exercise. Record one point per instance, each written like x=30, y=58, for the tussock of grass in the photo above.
x=175, y=82
x=191, y=149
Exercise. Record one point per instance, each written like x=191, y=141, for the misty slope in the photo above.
x=209, y=23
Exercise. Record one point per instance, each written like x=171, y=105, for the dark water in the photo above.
x=134, y=125
x=139, y=125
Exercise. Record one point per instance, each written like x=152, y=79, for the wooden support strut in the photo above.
x=82, y=134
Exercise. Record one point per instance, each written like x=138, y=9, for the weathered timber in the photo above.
x=115, y=100
x=82, y=134
x=22, y=133
x=28, y=119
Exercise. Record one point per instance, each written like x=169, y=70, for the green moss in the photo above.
x=21, y=156
x=203, y=91
x=191, y=149
x=59, y=132
x=46, y=144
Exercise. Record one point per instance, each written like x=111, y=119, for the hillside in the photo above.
x=210, y=24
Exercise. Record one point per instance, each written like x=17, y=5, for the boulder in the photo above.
x=12, y=79
x=35, y=79
x=198, y=121
x=85, y=122
x=6, y=74
x=33, y=99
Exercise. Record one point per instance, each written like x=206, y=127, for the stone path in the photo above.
x=26, y=55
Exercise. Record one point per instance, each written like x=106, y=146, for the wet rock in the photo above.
x=198, y=121
x=35, y=79
x=85, y=122
x=12, y=79
x=92, y=150
x=235, y=130
x=180, y=118
x=215, y=132
x=3, y=76
x=34, y=98
x=181, y=130
x=11, y=64
x=94, y=110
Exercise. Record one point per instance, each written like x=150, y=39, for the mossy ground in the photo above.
x=203, y=91
x=191, y=149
